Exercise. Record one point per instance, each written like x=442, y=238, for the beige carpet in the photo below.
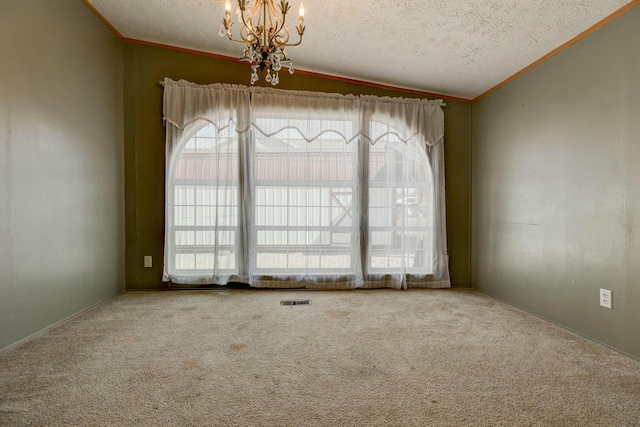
x=352, y=358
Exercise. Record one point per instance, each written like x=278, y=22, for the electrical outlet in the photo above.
x=148, y=261
x=605, y=298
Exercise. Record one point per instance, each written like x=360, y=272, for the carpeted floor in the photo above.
x=353, y=358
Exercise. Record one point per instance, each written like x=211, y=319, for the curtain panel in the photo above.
x=291, y=189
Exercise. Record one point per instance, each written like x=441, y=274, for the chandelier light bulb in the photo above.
x=301, y=11
x=227, y=6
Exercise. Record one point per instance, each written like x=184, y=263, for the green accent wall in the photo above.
x=556, y=187
x=61, y=164
x=146, y=66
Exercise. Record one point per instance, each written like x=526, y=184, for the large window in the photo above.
x=302, y=198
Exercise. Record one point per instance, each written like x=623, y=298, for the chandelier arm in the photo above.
x=229, y=34
x=269, y=10
x=272, y=11
x=264, y=23
x=228, y=24
x=293, y=44
x=282, y=39
x=243, y=41
x=249, y=29
x=284, y=9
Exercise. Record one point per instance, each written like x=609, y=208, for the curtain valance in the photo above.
x=404, y=118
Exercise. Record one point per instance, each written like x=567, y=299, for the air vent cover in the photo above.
x=296, y=302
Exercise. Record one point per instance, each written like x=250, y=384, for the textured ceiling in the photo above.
x=452, y=47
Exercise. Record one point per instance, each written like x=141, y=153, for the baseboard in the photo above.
x=58, y=323
x=617, y=350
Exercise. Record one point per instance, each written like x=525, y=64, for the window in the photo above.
x=305, y=216
x=400, y=207
x=302, y=196
x=304, y=205
x=205, y=192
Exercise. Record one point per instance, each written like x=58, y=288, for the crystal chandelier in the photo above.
x=264, y=35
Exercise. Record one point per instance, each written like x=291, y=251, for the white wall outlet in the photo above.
x=148, y=261
x=605, y=298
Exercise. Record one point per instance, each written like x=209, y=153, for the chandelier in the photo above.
x=264, y=35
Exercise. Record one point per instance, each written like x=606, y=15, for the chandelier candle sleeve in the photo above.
x=264, y=34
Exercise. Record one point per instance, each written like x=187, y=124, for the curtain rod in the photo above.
x=442, y=104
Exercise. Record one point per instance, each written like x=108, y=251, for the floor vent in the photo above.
x=296, y=302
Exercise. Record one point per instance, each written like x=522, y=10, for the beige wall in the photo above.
x=556, y=187
x=144, y=158
x=61, y=164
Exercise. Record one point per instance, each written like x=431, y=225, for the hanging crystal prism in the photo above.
x=254, y=75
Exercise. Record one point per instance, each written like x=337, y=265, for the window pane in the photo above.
x=185, y=238
x=303, y=197
x=204, y=261
x=184, y=215
x=185, y=261
x=400, y=208
x=184, y=195
x=205, y=192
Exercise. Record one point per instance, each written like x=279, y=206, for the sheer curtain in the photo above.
x=406, y=242
x=291, y=189
x=205, y=130
x=305, y=177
